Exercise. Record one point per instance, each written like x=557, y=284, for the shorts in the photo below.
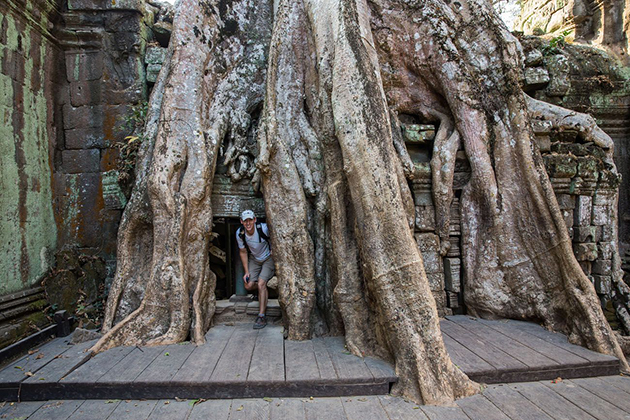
x=264, y=270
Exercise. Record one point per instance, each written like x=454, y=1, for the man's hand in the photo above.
x=246, y=278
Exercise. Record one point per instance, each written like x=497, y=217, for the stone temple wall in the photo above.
x=29, y=54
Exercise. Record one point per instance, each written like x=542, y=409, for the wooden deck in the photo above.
x=239, y=362
x=602, y=398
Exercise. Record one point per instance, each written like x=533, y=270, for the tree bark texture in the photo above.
x=334, y=75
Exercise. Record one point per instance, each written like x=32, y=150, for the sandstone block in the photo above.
x=452, y=274
x=605, y=250
x=432, y=262
x=155, y=55
x=586, y=266
x=423, y=198
x=585, y=234
x=585, y=252
x=608, y=233
x=587, y=168
x=583, y=210
x=452, y=299
x=566, y=201
x=427, y=242
x=560, y=166
x=558, y=67
x=533, y=57
x=85, y=93
x=602, y=215
x=602, y=267
x=603, y=198
x=425, y=218
x=153, y=70
x=454, y=250
x=541, y=127
x=603, y=284
x=536, y=77
x=85, y=138
x=82, y=116
x=436, y=282
x=112, y=194
x=80, y=161
x=568, y=219
x=84, y=66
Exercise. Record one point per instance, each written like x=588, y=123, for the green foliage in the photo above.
x=556, y=44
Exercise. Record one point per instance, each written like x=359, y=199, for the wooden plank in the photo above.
x=95, y=410
x=478, y=407
x=324, y=361
x=347, y=366
x=380, y=369
x=491, y=354
x=133, y=410
x=518, y=331
x=62, y=364
x=587, y=401
x=361, y=408
x=300, y=360
x=466, y=360
x=551, y=403
x=233, y=364
x=324, y=409
x=513, y=404
x=132, y=365
x=434, y=412
x=621, y=382
x=166, y=364
x=287, y=408
x=16, y=371
x=268, y=358
x=560, y=341
x=249, y=409
x=606, y=391
x=398, y=408
x=56, y=410
x=202, y=361
x=98, y=365
x=214, y=409
x=21, y=410
x=170, y=410
x=518, y=350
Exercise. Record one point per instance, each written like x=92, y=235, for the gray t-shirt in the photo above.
x=258, y=247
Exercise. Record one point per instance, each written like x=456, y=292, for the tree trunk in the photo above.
x=334, y=173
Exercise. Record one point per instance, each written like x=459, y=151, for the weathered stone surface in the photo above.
x=533, y=57
x=87, y=116
x=541, y=127
x=85, y=138
x=583, y=210
x=561, y=166
x=568, y=220
x=85, y=93
x=427, y=242
x=544, y=143
x=536, y=77
x=432, y=262
x=585, y=252
x=436, y=284
x=81, y=161
x=605, y=250
x=97, y=5
x=560, y=83
x=452, y=274
x=81, y=335
x=84, y=66
x=425, y=218
x=155, y=55
x=602, y=284
x=585, y=234
x=587, y=168
x=112, y=193
x=153, y=70
x=566, y=201
x=602, y=215
x=602, y=267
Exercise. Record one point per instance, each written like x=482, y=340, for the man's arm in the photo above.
x=243, y=253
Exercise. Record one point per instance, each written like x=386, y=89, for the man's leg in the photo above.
x=262, y=296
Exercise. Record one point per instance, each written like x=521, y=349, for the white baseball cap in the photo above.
x=248, y=214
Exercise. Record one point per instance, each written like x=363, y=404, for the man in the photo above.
x=255, y=252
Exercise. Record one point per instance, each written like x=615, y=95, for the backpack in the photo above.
x=261, y=236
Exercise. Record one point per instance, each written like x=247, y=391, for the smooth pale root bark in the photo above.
x=164, y=290
x=404, y=313
x=517, y=256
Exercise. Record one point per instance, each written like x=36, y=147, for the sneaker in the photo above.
x=261, y=322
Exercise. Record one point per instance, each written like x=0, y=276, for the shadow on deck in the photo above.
x=239, y=362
